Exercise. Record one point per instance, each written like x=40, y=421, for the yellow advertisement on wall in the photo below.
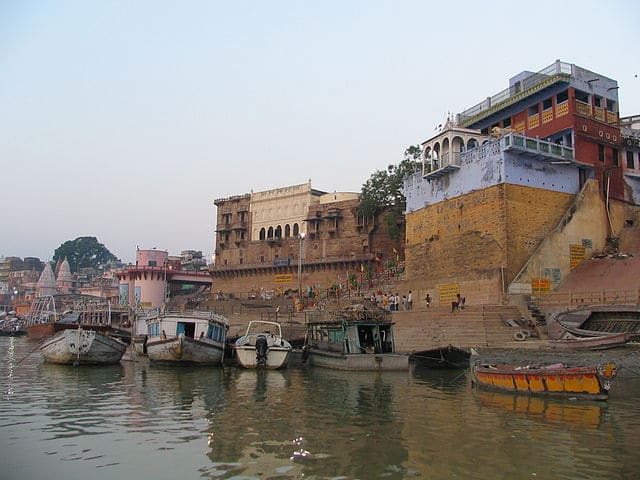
x=447, y=292
x=577, y=253
x=283, y=278
x=540, y=285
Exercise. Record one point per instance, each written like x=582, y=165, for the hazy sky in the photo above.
x=124, y=120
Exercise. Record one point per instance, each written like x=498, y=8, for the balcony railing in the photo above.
x=597, y=113
x=536, y=146
x=436, y=167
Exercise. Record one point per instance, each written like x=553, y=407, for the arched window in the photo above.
x=278, y=231
x=287, y=231
x=296, y=230
x=472, y=143
x=270, y=233
x=263, y=233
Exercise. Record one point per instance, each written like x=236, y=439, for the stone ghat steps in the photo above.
x=474, y=326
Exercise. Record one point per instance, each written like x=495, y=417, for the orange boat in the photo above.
x=559, y=380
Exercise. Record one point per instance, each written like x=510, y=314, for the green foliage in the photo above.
x=83, y=252
x=383, y=190
x=390, y=219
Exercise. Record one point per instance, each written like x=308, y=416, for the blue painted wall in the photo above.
x=487, y=166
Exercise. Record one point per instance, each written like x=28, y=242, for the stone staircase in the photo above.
x=475, y=326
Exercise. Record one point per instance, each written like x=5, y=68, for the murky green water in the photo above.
x=142, y=421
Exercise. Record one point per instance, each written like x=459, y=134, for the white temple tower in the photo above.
x=47, y=282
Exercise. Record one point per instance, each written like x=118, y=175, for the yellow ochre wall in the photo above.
x=469, y=239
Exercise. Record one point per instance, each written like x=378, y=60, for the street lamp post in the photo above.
x=302, y=235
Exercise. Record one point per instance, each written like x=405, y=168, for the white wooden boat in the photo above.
x=187, y=337
x=262, y=345
x=82, y=347
x=355, y=338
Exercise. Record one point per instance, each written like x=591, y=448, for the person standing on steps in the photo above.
x=409, y=301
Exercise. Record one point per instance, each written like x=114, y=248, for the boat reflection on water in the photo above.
x=97, y=379
x=582, y=415
x=259, y=382
x=446, y=380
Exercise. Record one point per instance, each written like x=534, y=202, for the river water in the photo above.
x=142, y=421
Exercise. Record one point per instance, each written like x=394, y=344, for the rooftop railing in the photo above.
x=533, y=81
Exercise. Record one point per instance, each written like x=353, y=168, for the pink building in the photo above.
x=150, y=282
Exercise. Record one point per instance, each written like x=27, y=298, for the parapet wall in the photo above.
x=582, y=228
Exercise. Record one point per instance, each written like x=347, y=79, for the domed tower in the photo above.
x=65, y=279
x=47, y=282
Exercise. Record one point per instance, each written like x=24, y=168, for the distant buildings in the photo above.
x=23, y=280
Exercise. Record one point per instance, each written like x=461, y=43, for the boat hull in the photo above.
x=592, y=343
x=358, y=361
x=449, y=357
x=262, y=346
x=40, y=330
x=185, y=350
x=591, y=382
x=82, y=347
x=276, y=357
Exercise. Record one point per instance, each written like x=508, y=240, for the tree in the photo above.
x=383, y=190
x=83, y=252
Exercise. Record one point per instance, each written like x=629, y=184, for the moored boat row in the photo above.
x=354, y=338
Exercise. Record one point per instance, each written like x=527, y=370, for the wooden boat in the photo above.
x=443, y=357
x=262, y=345
x=54, y=313
x=82, y=347
x=601, y=342
x=595, y=321
x=187, y=337
x=355, y=338
x=560, y=380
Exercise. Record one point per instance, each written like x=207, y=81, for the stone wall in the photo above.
x=479, y=240
x=532, y=214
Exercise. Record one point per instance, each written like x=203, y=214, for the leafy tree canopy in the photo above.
x=384, y=187
x=83, y=252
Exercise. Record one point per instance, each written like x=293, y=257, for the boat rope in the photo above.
x=23, y=358
x=458, y=376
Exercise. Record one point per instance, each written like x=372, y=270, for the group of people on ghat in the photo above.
x=393, y=302
x=457, y=304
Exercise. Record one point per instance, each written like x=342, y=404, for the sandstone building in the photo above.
x=295, y=237
x=519, y=189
